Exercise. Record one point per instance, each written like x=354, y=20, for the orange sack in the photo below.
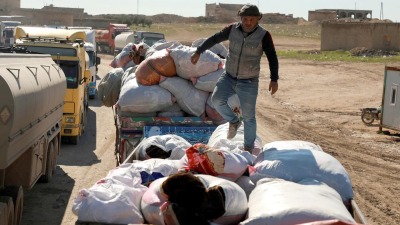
x=159, y=64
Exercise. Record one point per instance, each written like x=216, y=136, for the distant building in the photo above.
x=333, y=14
x=229, y=13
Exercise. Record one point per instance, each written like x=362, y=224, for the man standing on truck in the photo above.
x=247, y=42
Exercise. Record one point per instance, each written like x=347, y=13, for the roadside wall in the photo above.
x=346, y=36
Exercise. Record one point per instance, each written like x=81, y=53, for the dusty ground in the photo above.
x=316, y=101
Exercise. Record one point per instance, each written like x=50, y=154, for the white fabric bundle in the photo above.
x=292, y=145
x=280, y=202
x=190, y=99
x=218, y=49
x=143, y=99
x=110, y=201
x=168, y=143
x=300, y=163
x=208, y=62
x=208, y=81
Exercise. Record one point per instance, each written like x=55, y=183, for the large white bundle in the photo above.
x=208, y=81
x=208, y=62
x=219, y=162
x=172, y=111
x=143, y=99
x=235, y=201
x=190, y=99
x=218, y=49
x=123, y=58
x=297, y=164
x=218, y=139
x=292, y=145
x=145, y=171
x=128, y=74
x=169, y=143
x=162, y=44
x=110, y=201
x=246, y=184
x=280, y=202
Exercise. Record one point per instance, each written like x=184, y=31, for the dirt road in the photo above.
x=316, y=101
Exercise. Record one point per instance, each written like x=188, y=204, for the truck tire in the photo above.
x=17, y=195
x=74, y=140
x=9, y=210
x=46, y=178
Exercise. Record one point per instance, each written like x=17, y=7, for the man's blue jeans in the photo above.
x=247, y=91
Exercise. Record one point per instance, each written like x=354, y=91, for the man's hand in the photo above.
x=273, y=87
x=194, y=58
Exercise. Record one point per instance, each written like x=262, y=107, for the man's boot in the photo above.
x=233, y=127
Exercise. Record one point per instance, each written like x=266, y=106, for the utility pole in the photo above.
x=381, y=15
x=137, y=7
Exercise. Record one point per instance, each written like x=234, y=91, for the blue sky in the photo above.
x=299, y=8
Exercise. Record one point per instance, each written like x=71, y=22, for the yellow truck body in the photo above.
x=66, y=48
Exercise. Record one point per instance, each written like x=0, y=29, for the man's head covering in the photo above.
x=249, y=10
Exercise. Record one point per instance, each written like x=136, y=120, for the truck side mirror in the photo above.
x=98, y=60
x=87, y=76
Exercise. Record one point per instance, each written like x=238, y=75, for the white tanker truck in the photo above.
x=32, y=91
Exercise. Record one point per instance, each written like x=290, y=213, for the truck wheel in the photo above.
x=74, y=139
x=9, y=210
x=17, y=195
x=46, y=178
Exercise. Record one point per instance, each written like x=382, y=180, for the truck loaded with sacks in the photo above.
x=32, y=90
x=166, y=129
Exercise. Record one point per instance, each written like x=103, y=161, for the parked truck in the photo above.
x=122, y=39
x=7, y=32
x=66, y=48
x=149, y=38
x=32, y=90
x=105, y=37
x=94, y=60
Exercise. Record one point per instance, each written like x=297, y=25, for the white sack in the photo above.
x=168, y=143
x=218, y=49
x=109, y=201
x=279, y=202
x=190, y=99
x=143, y=99
x=208, y=81
x=208, y=62
x=297, y=164
x=292, y=145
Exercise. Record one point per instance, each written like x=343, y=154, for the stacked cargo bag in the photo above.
x=208, y=81
x=218, y=139
x=123, y=58
x=219, y=49
x=208, y=62
x=276, y=201
x=305, y=161
x=128, y=74
x=173, y=111
x=162, y=44
x=110, y=201
x=109, y=87
x=145, y=171
x=292, y=145
x=218, y=162
x=191, y=100
x=246, y=184
x=158, y=64
x=143, y=99
x=168, y=146
x=235, y=201
x=212, y=113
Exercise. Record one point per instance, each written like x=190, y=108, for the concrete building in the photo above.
x=333, y=14
x=346, y=36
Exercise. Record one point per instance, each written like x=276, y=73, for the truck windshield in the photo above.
x=51, y=50
x=8, y=33
x=71, y=71
x=92, y=58
x=151, y=40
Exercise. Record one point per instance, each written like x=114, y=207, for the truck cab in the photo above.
x=149, y=38
x=66, y=48
x=7, y=32
x=105, y=37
